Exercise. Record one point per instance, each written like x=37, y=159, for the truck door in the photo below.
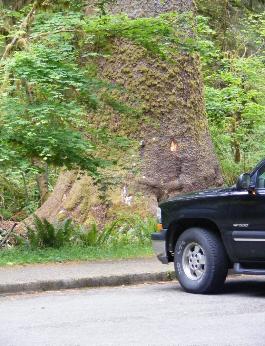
x=246, y=237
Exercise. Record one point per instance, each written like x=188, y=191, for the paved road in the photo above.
x=160, y=314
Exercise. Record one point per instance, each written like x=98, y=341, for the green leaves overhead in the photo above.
x=43, y=106
x=45, y=96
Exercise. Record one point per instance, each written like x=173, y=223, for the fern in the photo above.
x=45, y=234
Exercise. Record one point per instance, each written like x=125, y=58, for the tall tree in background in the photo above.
x=175, y=152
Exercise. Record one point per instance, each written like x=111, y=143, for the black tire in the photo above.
x=202, y=246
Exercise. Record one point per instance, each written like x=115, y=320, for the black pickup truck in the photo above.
x=206, y=233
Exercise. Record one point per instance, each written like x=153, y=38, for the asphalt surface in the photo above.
x=150, y=314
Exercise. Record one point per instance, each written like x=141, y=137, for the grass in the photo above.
x=22, y=255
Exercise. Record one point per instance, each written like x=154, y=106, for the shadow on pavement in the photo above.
x=248, y=287
x=237, y=286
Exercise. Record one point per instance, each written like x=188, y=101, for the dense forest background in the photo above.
x=63, y=113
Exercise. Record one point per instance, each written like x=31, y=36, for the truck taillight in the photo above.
x=159, y=227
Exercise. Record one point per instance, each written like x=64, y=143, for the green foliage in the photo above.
x=19, y=194
x=44, y=234
x=96, y=237
x=130, y=230
x=102, y=5
x=237, y=107
x=234, y=85
x=11, y=195
x=44, y=100
x=47, y=88
x=49, y=84
x=164, y=35
x=125, y=230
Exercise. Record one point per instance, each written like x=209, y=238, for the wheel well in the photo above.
x=176, y=228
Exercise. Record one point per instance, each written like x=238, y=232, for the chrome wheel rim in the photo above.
x=194, y=261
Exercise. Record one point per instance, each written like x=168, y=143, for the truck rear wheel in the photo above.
x=200, y=260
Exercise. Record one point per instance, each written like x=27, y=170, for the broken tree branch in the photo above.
x=6, y=237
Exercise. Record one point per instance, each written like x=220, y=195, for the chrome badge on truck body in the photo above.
x=241, y=225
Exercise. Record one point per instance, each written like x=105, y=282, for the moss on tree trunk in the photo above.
x=175, y=153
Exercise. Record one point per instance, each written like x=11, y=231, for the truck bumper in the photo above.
x=159, y=246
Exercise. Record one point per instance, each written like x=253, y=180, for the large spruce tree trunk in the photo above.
x=175, y=154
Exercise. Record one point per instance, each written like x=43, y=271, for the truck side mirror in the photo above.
x=244, y=182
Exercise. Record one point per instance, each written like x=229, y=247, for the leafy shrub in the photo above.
x=96, y=237
x=123, y=231
x=231, y=171
x=132, y=230
x=44, y=234
x=5, y=213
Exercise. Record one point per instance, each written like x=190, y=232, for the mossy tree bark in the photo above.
x=176, y=154
x=176, y=149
